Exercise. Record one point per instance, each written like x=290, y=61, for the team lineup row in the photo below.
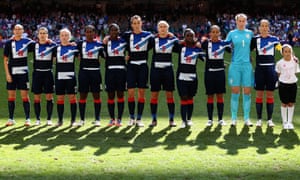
x=126, y=67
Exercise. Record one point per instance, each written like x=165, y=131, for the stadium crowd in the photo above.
x=283, y=26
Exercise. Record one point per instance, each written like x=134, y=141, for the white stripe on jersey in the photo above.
x=65, y=75
x=19, y=70
x=187, y=76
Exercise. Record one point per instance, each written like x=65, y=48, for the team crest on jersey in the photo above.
x=216, y=51
x=164, y=45
x=65, y=55
x=115, y=49
x=139, y=44
x=20, y=48
x=90, y=51
x=43, y=52
x=266, y=46
x=189, y=57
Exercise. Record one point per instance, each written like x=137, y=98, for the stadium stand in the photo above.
x=198, y=15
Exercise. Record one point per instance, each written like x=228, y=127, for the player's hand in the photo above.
x=198, y=44
x=203, y=38
x=127, y=58
x=105, y=40
x=8, y=78
x=49, y=41
x=73, y=43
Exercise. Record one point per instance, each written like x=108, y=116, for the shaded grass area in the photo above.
x=149, y=153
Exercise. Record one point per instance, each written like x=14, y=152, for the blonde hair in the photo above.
x=67, y=31
x=215, y=27
x=264, y=21
x=43, y=29
x=240, y=15
x=137, y=17
x=18, y=25
x=163, y=22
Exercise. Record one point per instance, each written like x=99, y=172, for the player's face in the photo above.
x=89, y=34
x=189, y=37
x=64, y=37
x=114, y=32
x=241, y=23
x=264, y=28
x=286, y=53
x=43, y=35
x=136, y=25
x=18, y=31
x=162, y=29
x=214, y=33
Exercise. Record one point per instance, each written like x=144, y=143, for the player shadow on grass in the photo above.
x=6, y=131
x=148, y=139
x=111, y=139
x=288, y=139
x=93, y=139
x=3, y=127
x=264, y=141
x=208, y=137
x=19, y=135
x=65, y=135
x=176, y=138
x=41, y=138
x=233, y=141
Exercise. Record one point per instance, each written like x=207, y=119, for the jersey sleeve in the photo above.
x=151, y=42
x=55, y=52
x=204, y=45
x=7, y=49
x=31, y=46
x=253, y=44
x=201, y=54
x=277, y=67
x=177, y=47
x=297, y=69
x=228, y=37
